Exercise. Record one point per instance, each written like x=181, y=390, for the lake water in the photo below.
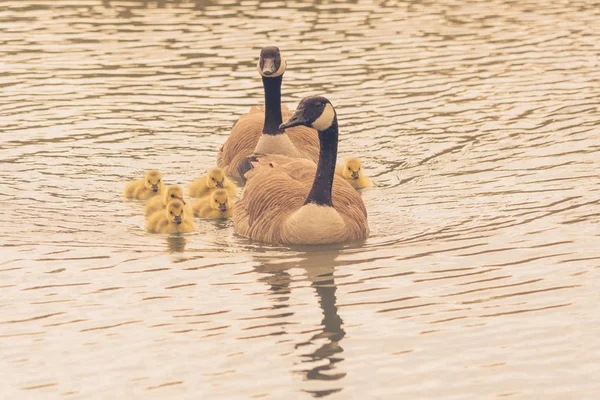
x=479, y=123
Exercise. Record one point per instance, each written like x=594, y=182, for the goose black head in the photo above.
x=315, y=112
x=271, y=63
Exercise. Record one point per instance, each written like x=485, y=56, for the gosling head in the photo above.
x=215, y=178
x=173, y=192
x=153, y=180
x=352, y=169
x=175, y=212
x=271, y=63
x=219, y=200
x=314, y=112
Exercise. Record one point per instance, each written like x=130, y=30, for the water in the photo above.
x=478, y=122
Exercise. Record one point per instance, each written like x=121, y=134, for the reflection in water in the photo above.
x=176, y=243
x=319, y=267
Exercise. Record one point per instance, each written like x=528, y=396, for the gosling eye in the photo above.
x=158, y=181
x=173, y=196
x=212, y=179
x=216, y=201
x=171, y=212
x=349, y=169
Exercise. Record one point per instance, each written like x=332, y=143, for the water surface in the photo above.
x=478, y=122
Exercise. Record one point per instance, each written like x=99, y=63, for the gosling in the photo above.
x=217, y=205
x=172, y=220
x=157, y=203
x=353, y=173
x=146, y=188
x=214, y=180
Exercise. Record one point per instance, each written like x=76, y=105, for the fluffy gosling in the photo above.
x=352, y=172
x=156, y=203
x=172, y=220
x=217, y=205
x=146, y=188
x=214, y=180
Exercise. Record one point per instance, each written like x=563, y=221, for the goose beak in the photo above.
x=223, y=207
x=178, y=219
x=355, y=174
x=155, y=188
x=296, y=120
x=268, y=66
x=220, y=185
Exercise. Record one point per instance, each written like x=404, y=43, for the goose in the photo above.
x=217, y=205
x=290, y=201
x=260, y=131
x=353, y=173
x=173, y=219
x=158, y=203
x=215, y=179
x=143, y=189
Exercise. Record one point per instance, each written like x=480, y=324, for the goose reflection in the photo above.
x=319, y=267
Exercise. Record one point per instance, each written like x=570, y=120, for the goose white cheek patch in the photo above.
x=325, y=119
x=277, y=73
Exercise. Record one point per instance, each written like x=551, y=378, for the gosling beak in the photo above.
x=355, y=174
x=178, y=219
x=220, y=184
x=268, y=67
x=155, y=188
x=223, y=207
x=296, y=120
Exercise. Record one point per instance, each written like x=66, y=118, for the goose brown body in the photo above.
x=276, y=190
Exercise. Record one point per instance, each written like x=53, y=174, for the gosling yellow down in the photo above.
x=173, y=219
x=145, y=188
x=260, y=132
x=353, y=173
x=217, y=205
x=214, y=180
x=156, y=203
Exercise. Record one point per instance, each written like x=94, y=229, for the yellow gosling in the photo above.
x=353, y=173
x=172, y=220
x=156, y=203
x=143, y=189
x=217, y=205
x=214, y=180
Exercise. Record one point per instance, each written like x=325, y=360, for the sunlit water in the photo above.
x=478, y=122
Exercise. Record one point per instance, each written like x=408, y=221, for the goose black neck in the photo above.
x=320, y=193
x=272, y=105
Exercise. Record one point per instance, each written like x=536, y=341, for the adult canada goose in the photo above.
x=261, y=132
x=143, y=189
x=353, y=172
x=215, y=179
x=291, y=201
x=173, y=219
